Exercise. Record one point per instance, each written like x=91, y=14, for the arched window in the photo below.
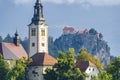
x=42, y=32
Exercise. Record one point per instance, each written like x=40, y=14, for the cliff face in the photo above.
x=89, y=39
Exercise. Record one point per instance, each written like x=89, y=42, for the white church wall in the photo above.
x=43, y=39
x=32, y=39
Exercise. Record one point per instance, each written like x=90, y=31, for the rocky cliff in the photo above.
x=89, y=39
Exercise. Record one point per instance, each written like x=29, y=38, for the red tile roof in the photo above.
x=11, y=51
x=71, y=29
x=83, y=65
x=80, y=32
x=86, y=31
x=42, y=59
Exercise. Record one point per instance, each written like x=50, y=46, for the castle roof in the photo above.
x=69, y=28
x=11, y=51
x=42, y=59
x=83, y=65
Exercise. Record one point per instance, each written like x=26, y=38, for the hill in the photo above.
x=89, y=39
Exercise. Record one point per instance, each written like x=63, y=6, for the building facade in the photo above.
x=12, y=50
x=38, y=45
x=89, y=68
x=38, y=31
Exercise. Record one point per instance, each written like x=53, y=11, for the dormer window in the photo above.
x=33, y=32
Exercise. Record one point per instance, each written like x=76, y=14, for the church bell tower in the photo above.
x=38, y=31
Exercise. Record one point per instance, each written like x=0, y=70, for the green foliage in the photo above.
x=103, y=76
x=4, y=68
x=14, y=71
x=18, y=70
x=114, y=69
x=85, y=56
x=65, y=68
x=92, y=31
x=100, y=35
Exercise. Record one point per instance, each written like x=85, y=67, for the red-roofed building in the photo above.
x=40, y=62
x=86, y=31
x=83, y=31
x=80, y=32
x=68, y=30
x=38, y=45
x=88, y=67
x=12, y=50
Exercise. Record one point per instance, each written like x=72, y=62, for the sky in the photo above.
x=103, y=15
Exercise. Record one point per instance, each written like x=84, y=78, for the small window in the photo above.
x=43, y=44
x=33, y=32
x=42, y=32
x=33, y=44
x=89, y=69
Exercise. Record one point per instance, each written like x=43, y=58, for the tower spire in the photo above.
x=16, y=39
x=38, y=1
x=38, y=13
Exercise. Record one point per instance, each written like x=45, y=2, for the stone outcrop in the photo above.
x=89, y=39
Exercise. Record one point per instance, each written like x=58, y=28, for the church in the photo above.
x=38, y=45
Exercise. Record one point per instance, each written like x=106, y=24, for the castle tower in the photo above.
x=38, y=31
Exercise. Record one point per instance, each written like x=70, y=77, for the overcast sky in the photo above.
x=103, y=15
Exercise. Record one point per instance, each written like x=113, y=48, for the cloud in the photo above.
x=82, y=2
x=91, y=2
x=101, y=2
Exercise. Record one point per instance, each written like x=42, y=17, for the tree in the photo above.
x=17, y=72
x=103, y=76
x=25, y=44
x=4, y=68
x=1, y=39
x=92, y=31
x=85, y=56
x=114, y=69
x=14, y=71
x=65, y=68
x=8, y=38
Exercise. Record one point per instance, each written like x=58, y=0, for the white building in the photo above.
x=38, y=45
x=89, y=68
